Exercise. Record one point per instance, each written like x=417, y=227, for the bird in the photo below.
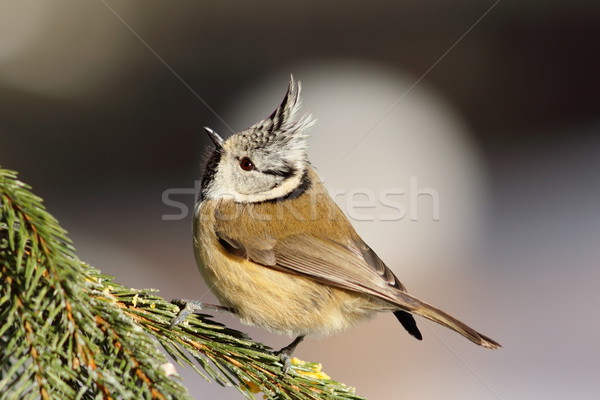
x=277, y=251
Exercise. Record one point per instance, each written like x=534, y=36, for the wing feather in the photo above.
x=352, y=267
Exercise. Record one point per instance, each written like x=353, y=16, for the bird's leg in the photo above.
x=191, y=306
x=285, y=354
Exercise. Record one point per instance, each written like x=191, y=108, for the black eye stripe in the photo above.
x=305, y=184
x=285, y=172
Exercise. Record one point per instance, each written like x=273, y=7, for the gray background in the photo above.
x=502, y=125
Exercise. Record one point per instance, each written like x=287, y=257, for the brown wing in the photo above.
x=353, y=267
x=376, y=263
x=347, y=267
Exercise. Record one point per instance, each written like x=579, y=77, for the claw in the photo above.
x=285, y=354
x=191, y=306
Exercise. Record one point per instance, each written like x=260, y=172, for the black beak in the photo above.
x=214, y=136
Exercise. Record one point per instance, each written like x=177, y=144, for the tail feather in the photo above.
x=414, y=306
x=409, y=323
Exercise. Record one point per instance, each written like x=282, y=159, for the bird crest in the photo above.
x=281, y=132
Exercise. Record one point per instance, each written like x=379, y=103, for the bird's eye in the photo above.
x=246, y=164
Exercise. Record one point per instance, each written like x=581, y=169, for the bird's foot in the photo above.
x=191, y=306
x=285, y=354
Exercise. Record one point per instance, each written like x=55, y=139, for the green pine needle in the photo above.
x=69, y=332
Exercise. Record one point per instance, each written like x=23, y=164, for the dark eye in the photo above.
x=246, y=164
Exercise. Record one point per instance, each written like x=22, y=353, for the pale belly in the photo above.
x=278, y=301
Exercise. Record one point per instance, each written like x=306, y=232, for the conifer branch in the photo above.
x=69, y=332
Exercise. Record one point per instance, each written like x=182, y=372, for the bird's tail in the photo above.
x=415, y=306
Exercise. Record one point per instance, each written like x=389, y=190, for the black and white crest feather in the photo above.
x=281, y=132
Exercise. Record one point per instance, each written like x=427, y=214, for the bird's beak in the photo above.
x=214, y=136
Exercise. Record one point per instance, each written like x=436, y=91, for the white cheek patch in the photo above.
x=276, y=190
x=248, y=183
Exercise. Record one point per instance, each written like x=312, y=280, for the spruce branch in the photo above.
x=67, y=331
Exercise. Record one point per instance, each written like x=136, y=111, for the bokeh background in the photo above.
x=102, y=105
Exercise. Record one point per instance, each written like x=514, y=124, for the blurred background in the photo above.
x=466, y=150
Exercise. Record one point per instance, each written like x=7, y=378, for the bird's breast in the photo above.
x=272, y=299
